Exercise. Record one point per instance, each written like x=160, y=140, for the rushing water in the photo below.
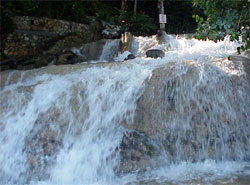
x=81, y=109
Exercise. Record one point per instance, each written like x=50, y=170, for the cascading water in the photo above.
x=110, y=50
x=66, y=124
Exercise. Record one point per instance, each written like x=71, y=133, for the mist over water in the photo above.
x=81, y=109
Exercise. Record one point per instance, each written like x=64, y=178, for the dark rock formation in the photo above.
x=26, y=62
x=130, y=57
x=69, y=57
x=155, y=53
x=37, y=42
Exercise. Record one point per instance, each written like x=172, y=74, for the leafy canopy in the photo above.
x=223, y=17
x=137, y=24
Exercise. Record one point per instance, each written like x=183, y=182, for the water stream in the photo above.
x=65, y=124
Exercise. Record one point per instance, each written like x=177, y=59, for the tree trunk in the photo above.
x=124, y=5
x=135, y=7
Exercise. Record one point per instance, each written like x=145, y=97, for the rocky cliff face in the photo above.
x=32, y=33
x=37, y=42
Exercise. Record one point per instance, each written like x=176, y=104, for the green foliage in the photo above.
x=71, y=10
x=137, y=24
x=7, y=25
x=77, y=11
x=223, y=17
x=179, y=15
x=22, y=7
x=105, y=12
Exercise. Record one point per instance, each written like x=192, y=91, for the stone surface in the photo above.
x=43, y=143
x=93, y=50
x=155, y=53
x=130, y=56
x=173, y=111
x=34, y=34
x=27, y=62
x=126, y=39
x=69, y=57
x=138, y=152
x=67, y=49
x=169, y=117
x=246, y=53
x=160, y=37
x=245, y=60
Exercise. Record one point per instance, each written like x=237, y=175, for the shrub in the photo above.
x=221, y=18
x=7, y=25
x=137, y=24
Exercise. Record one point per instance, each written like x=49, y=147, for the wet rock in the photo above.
x=245, y=60
x=138, y=152
x=246, y=53
x=43, y=143
x=186, y=121
x=155, y=53
x=93, y=50
x=126, y=40
x=62, y=43
x=160, y=36
x=69, y=57
x=130, y=57
x=26, y=62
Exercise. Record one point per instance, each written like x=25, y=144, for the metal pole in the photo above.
x=161, y=11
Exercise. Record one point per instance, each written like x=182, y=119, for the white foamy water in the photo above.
x=81, y=110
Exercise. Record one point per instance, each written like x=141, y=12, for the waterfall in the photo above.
x=110, y=50
x=68, y=124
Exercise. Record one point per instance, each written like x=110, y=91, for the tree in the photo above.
x=124, y=5
x=135, y=6
x=219, y=18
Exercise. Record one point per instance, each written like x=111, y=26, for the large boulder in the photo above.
x=155, y=53
x=69, y=57
x=195, y=116
x=27, y=62
x=243, y=60
x=56, y=45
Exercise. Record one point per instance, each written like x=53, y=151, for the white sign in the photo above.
x=163, y=18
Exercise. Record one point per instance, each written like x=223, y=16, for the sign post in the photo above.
x=162, y=16
x=162, y=21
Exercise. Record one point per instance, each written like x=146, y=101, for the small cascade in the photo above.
x=181, y=119
x=70, y=133
x=110, y=50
